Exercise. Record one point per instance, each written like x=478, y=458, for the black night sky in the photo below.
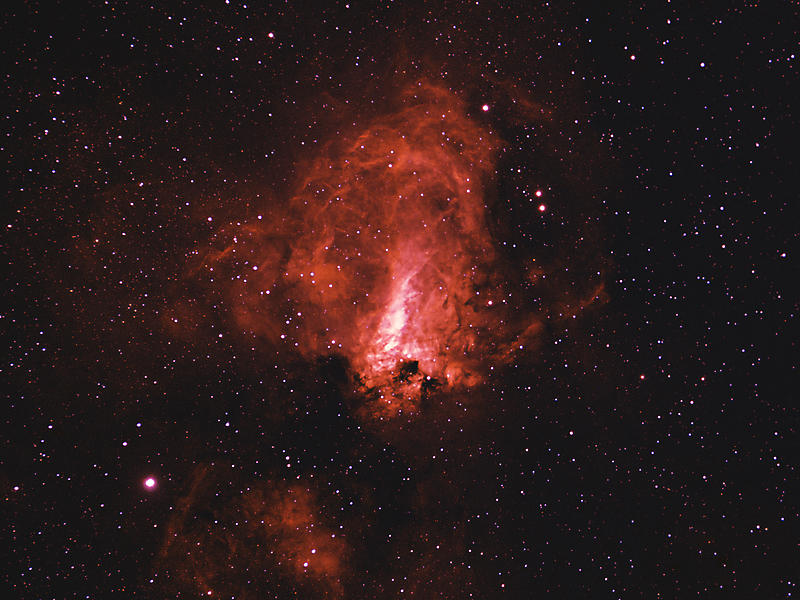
x=399, y=299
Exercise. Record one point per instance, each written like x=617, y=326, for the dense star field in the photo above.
x=399, y=299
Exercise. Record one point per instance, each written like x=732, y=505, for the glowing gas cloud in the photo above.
x=390, y=251
x=281, y=539
x=383, y=254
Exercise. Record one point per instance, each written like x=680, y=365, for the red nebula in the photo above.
x=304, y=546
x=276, y=531
x=383, y=254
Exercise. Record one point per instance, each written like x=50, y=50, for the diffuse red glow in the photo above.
x=275, y=531
x=383, y=255
x=302, y=544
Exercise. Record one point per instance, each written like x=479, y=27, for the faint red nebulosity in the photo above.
x=275, y=530
x=291, y=516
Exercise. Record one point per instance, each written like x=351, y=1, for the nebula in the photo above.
x=392, y=260
x=282, y=541
x=383, y=255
